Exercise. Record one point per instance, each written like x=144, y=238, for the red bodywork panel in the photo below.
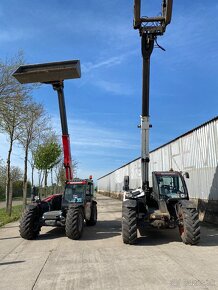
x=77, y=182
x=67, y=157
x=49, y=198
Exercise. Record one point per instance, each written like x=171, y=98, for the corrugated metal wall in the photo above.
x=195, y=152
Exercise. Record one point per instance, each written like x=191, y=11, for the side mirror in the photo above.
x=126, y=183
x=186, y=174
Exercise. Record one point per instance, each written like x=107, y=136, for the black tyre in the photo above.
x=129, y=225
x=74, y=223
x=93, y=218
x=189, y=225
x=30, y=224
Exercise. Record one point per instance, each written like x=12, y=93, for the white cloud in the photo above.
x=13, y=35
x=109, y=86
x=87, y=137
x=87, y=67
x=105, y=143
x=88, y=134
x=114, y=87
x=108, y=62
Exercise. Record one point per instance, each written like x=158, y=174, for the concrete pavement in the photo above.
x=101, y=261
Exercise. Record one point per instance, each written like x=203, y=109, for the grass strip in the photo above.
x=16, y=214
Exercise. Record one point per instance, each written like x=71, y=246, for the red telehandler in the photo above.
x=77, y=203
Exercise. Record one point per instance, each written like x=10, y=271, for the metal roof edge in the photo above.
x=187, y=133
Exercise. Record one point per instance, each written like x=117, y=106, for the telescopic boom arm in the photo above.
x=149, y=29
x=54, y=74
x=65, y=136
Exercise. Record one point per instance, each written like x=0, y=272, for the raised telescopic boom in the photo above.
x=54, y=73
x=59, y=87
x=149, y=29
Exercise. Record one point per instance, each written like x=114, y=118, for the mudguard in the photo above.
x=186, y=204
x=40, y=207
x=31, y=206
x=88, y=209
x=36, y=207
x=76, y=205
x=130, y=203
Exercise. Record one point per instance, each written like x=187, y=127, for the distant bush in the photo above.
x=2, y=192
x=18, y=188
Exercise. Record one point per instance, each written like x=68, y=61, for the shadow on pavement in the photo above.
x=102, y=230
x=148, y=235
x=54, y=233
x=10, y=238
x=152, y=236
x=10, y=263
x=209, y=235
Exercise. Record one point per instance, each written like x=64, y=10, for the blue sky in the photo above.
x=104, y=106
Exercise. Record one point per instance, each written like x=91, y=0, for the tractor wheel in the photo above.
x=30, y=224
x=74, y=223
x=129, y=225
x=189, y=227
x=93, y=218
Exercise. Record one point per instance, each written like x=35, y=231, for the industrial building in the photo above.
x=195, y=152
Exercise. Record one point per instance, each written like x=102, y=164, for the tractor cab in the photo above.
x=169, y=186
x=78, y=191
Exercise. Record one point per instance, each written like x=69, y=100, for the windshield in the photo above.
x=74, y=192
x=171, y=186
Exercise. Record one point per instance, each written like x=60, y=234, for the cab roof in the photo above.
x=80, y=181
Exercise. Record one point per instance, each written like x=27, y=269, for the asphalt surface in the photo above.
x=101, y=261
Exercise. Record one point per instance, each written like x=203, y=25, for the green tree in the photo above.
x=2, y=179
x=13, y=97
x=34, y=122
x=18, y=188
x=16, y=176
x=47, y=155
x=60, y=171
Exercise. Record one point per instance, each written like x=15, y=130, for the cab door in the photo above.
x=155, y=189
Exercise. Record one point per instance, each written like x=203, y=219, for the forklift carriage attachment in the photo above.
x=48, y=72
x=158, y=23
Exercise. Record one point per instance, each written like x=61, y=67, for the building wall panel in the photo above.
x=195, y=152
